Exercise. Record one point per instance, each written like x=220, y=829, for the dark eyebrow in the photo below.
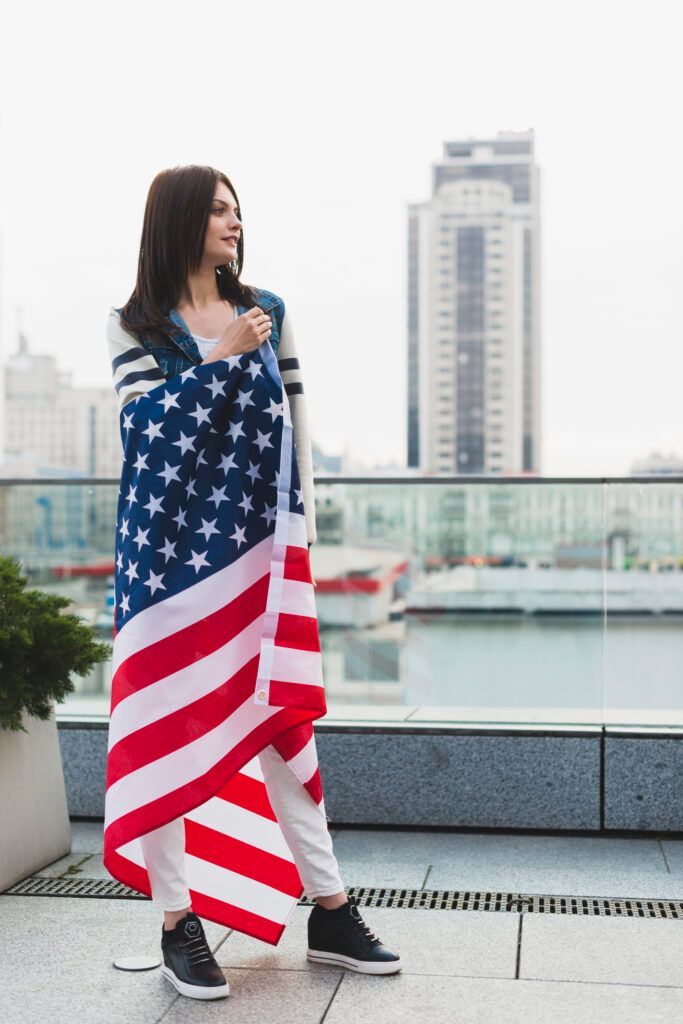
x=223, y=203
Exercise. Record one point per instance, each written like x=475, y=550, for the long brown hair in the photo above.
x=177, y=211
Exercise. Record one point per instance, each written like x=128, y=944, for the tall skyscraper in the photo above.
x=474, y=345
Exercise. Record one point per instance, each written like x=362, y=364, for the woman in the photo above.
x=189, y=307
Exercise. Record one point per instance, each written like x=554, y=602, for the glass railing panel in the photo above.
x=63, y=535
x=643, y=647
x=473, y=601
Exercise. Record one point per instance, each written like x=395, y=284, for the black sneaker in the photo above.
x=341, y=936
x=189, y=963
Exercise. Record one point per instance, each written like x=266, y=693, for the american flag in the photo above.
x=216, y=644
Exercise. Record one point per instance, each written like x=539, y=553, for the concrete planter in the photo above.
x=35, y=818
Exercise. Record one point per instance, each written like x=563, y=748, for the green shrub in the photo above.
x=40, y=647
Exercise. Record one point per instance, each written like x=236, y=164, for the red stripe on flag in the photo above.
x=230, y=916
x=181, y=727
x=298, y=631
x=249, y=793
x=127, y=872
x=288, y=744
x=296, y=695
x=298, y=564
x=191, y=644
x=315, y=786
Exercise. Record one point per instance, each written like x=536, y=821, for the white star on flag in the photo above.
x=239, y=535
x=269, y=513
x=185, y=443
x=244, y=397
x=153, y=430
x=186, y=374
x=299, y=497
x=127, y=420
x=216, y=387
x=189, y=489
x=180, y=518
x=169, y=399
x=207, y=528
x=141, y=538
x=262, y=440
x=132, y=571
x=198, y=560
x=154, y=505
x=154, y=582
x=141, y=461
x=124, y=604
x=169, y=473
x=168, y=550
x=245, y=503
x=235, y=430
x=200, y=414
x=254, y=369
x=227, y=462
x=218, y=495
x=253, y=471
x=131, y=494
x=274, y=410
x=124, y=528
x=119, y=561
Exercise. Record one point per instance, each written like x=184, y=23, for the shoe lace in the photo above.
x=198, y=949
x=368, y=934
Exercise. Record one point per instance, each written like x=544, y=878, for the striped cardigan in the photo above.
x=135, y=371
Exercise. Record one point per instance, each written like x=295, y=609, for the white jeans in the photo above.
x=303, y=826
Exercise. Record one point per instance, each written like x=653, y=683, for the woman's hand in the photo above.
x=245, y=333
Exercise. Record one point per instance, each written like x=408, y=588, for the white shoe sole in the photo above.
x=318, y=956
x=195, y=991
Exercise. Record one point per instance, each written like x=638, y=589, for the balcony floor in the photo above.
x=459, y=966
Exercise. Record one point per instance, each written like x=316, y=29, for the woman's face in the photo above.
x=223, y=229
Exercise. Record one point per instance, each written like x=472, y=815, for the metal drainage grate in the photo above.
x=85, y=888
x=424, y=899
x=530, y=903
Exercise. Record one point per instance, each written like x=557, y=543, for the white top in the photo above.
x=205, y=345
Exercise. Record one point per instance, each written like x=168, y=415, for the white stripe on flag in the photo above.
x=181, y=688
x=240, y=890
x=296, y=529
x=238, y=822
x=298, y=598
x=296, y=666
x=305, y=762
x=192, y=604
x=253, y=769
x=184, y=765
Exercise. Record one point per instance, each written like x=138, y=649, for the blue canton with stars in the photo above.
x=200, y=476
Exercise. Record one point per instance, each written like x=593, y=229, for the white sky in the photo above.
x=327, y=119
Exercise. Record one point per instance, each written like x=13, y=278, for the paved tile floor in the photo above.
x=459, y=966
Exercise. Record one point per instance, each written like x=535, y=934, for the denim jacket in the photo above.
x=181, y=352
